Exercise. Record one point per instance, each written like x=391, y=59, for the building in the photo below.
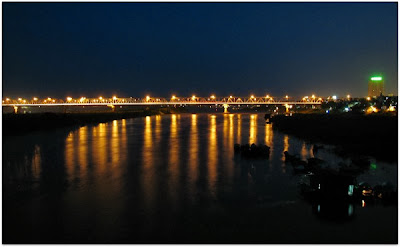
x=375, y=86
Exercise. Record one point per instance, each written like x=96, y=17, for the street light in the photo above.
x=173, y=97
x=147, y=98
x=212, y=97
x=194, y=97
x=115, y=98
x=35, y=99
x=69, y=99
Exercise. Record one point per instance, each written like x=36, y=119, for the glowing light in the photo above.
x=252, y=96
x=173, y=97
x=53, y=100
x=69, y=99
x=348, y=96
x=313, y=96
x=115, y=98
x=230, y=96
x=82, y=99
x=391, y=108
x=49, y=99
x=147, y=98
x=350, y=190
x=100, y=98
x=334, y=97
x=212, y=97
x=368, y=98
x=7, y=99
x=287, y=96
x=34, y=98
x=194, y=97
x=363, y=203
x=267, y=96
x=19, y=99
x=376, y=78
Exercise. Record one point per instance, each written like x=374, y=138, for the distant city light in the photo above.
x=346, y=109
x=368, y=98
x=376, y=78
x=193, y=97
x=212, y=96
x=100, y=98
x=147, y=98
x=334, y=97
x=114, y=97
x=69, y=98
x=173, y=97
x=348, y=96
x=34, y=98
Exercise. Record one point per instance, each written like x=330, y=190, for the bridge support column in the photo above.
x=112, y=107
x=226, y=108
x=287, y=107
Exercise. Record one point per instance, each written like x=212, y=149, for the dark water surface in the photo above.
x=175, y=179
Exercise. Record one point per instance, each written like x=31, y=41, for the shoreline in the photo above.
x=353, y=135
x=19, y=124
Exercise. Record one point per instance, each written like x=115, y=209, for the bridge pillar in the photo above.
x=226, y=108
x=287, y=107
x=112, y=107
x=15, y=109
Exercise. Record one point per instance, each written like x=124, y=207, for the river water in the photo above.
x=175, y=179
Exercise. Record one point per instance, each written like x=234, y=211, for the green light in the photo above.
x=376, y=78
x=373, y=166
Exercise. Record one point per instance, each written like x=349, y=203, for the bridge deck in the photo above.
x=165, y=103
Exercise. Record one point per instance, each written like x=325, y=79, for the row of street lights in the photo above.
x=173, y=98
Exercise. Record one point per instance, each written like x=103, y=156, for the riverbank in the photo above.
x=16, y=124
x=354, y=135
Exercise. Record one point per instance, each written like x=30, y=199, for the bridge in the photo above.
x=194, y=100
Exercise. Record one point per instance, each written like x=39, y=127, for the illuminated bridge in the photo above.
x=174, y=100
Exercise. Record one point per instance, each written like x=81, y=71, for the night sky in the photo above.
x=134, y=49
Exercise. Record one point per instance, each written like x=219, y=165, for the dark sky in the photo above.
x=134, y=49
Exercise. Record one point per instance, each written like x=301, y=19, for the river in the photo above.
x=175, y=179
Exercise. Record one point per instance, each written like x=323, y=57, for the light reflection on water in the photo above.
x=139, y=171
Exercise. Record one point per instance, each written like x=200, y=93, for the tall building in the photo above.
x=375, y=86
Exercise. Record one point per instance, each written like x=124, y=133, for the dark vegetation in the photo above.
x=372, y=135
x=14, y=124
